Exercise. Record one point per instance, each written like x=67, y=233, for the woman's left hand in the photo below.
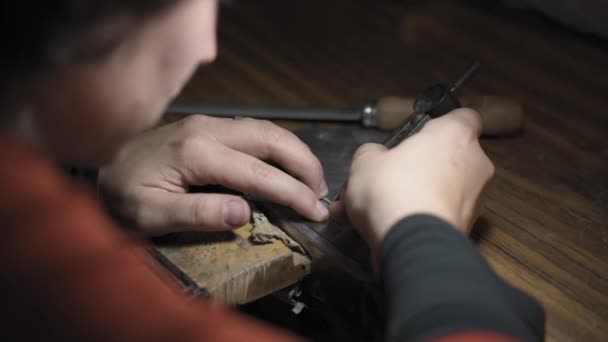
x=148, y=181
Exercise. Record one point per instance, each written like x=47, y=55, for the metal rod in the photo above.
x=268, y=112
x=471, y=71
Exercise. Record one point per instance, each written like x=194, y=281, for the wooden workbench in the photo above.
x=545, y=228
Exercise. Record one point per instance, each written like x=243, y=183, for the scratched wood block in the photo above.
x=231, y=266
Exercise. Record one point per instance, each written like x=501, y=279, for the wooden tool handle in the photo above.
x=501, y=116
x=391, y=111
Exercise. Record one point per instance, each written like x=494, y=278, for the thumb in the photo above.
x=200, y=212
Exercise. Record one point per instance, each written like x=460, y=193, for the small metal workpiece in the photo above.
x=326, y=201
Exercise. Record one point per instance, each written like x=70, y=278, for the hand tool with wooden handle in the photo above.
x=501, y=116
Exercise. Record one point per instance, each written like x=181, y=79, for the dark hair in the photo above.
x=39, y=36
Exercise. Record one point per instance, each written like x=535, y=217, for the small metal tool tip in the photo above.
x=466, y=76
x=326, y=201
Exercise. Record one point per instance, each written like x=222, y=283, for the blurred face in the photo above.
x=84, y=112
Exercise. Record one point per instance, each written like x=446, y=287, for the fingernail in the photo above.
x=234, y=214
x=322, y=211
x=324, y=189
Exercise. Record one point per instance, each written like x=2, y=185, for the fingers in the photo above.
x=267, y=141
x=469, y=118
x=244, y=173
x=460, y=122
x=173, y=212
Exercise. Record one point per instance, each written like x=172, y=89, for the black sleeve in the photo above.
x=437, y=283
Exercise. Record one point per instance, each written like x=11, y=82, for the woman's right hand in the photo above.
x=441, y=171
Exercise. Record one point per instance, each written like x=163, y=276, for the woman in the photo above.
x=81, y=77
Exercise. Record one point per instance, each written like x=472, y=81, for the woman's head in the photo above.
x=94, y=72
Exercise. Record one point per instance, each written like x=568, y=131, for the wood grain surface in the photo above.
x=545, y=228
x=230, y=266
